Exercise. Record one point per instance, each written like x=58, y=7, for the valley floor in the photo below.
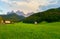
x=30, y=31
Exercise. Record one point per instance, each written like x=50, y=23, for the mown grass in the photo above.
x=30, y=31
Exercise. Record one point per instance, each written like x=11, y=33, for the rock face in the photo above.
x=10, y=12
x=20, y=13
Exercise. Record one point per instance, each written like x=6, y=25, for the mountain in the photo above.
x=20, y=13
x=12, y=17
x=51, y=15
x=10, y=12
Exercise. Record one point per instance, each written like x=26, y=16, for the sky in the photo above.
x=27, y=6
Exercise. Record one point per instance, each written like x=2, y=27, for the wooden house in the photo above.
x=6, y=22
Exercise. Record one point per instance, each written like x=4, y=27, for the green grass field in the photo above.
x=30, y=31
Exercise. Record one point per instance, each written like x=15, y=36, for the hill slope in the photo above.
x=50, y=15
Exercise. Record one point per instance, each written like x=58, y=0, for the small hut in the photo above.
x=35, y=22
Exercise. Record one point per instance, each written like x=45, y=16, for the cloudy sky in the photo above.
x=27, y=5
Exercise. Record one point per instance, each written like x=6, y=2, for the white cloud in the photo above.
x=4, y=0
x=29, y=6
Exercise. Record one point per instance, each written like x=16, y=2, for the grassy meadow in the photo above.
x=30, y=31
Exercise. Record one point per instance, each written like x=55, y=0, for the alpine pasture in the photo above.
x=30, y=31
